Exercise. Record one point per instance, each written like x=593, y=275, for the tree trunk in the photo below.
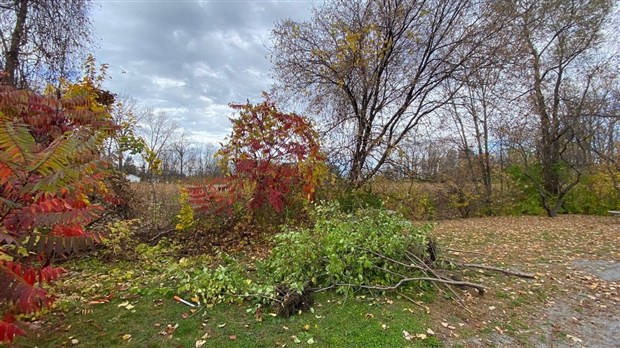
x=12, y=55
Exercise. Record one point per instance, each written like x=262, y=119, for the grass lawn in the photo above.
x=145, y=316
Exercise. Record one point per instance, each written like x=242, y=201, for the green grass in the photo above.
x=333, y=321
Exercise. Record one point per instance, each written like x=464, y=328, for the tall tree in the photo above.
x=373, y=69
x=126, y=115
x=560, y=42
x=42, y=40
x=158, y=129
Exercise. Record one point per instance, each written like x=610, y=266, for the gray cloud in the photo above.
x=190, y=58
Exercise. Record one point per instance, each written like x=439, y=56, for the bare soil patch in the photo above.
x=573, y=302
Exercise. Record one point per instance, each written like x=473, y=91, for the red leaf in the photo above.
x=8, y=329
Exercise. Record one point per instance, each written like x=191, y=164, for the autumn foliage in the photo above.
x=272, y=161
x=49, y=167
x=272, y=154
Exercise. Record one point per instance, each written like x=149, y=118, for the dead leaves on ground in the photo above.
x=547, y=247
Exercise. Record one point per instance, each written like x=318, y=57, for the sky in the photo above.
x=190, y=58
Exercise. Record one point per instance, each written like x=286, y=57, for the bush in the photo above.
x=595, y=194
x=273, y=155
x=345, y=249
x=359, y=199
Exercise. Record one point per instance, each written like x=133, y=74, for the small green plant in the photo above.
x=120, y=241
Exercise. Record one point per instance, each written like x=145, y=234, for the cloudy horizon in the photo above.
x=190, y=58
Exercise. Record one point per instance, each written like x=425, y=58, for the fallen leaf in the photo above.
x=407, y=335
x=75, y=341
x=200, y=343
x=124, y=304
x=430, y=332
x=310, y=340
x=170, y=329
x=130, y=306
x=421, y=336
x=295, y=339
x=185, y=315
x=221, y=325
x=126, y=337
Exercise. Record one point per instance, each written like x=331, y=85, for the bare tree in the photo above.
x=158, y=129
x=181, y=147
x=205, y=162
x=373, y=69
x=559, y=41
x=42, y=40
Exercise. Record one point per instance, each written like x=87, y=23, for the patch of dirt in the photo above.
x=573, y=302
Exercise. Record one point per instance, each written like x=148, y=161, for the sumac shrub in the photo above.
x=273, y=155
x=50, y=169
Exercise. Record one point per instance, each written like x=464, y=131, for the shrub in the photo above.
x=345, y=249
x=353, y=200
x=50, y=170
x=273, y=155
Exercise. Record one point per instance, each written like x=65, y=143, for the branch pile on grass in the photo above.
x=369, y=250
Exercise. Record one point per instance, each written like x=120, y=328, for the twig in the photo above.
x=481, y=289
x=161, y=234
x=394, y=261
x=197, y=311
x=417, y=303
x=496, y=269
x=437, y=275
x=463, y=251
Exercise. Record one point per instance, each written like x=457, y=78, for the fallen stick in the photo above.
x=161, y=234
x=496, y=269
x=463, y=251
x=481, y=289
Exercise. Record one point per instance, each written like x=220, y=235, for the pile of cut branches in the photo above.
x=369, y=249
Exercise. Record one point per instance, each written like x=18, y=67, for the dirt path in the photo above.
x=573, y=302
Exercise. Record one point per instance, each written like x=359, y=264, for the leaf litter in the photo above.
x=574, y=300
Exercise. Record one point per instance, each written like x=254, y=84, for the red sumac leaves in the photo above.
x=272, y=154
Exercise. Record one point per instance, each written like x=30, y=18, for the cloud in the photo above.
x=191, y=58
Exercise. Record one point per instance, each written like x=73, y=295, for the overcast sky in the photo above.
x=190, y=58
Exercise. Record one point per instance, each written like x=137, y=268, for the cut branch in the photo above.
x=496, y=269
x=480, y=288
